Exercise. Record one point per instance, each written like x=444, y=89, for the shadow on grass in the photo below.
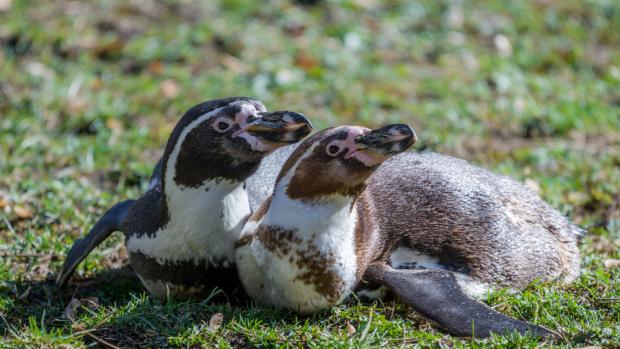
x=40, y=305
x=42, y=298
x=113, y=307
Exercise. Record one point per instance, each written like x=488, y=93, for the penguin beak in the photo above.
x=376, y=146
x=271, y=130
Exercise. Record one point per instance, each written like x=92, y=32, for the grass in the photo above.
x=89, y=92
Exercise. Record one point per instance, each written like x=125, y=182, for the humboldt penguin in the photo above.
x=350, y=205
x=180, y=233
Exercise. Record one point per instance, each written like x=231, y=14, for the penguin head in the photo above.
x=339, y=160
x=226, y=139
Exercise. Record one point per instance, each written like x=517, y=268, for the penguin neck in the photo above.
x=332, y=214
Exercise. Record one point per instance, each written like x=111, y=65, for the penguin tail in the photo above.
x=109, y=223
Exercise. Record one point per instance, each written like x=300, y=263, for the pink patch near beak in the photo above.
x=238, y=132
x=364, y=158
x=254, y=142
x=354, y=152
x=241, y=118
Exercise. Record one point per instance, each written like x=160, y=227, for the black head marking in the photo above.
x=206, y=153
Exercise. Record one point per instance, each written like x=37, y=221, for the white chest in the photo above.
x=310, y=264
x=204, y=224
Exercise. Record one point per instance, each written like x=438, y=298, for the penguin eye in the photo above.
x=333, y=150
x=222, y=126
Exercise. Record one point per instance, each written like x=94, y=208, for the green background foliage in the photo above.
x=89, y=92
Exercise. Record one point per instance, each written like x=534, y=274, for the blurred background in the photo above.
x=90, y=91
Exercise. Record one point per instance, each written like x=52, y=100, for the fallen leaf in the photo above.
x=502, y=45
x=108, y=49
x=233, y=63
x=74, y=303
x=114, y=257
x=455, y=17
x=114, y=125
x=76, y=105
x=532, y=185
x=604, y=245
x=97, y=84
x=3, y=202
x=91, y=303
x=42, y=268
x=545, y=3
x=169, y=88
x=305, y=61
x=295, y=29
x=578, y=198
x=22, y=212
x=350, y=329
x=156, y=67
x=39, y=70
x=612, y=263
x=5, y=4
x=367, y=4
x=216, y=321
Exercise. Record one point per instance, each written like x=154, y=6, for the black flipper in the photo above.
x=109, y=223
x=155, y=177
x=436, y=295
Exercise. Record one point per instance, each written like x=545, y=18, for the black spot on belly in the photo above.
x=449, y=258
x=454, y=260
x=189, y=274
x=408, y=265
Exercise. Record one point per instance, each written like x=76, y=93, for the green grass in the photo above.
x=89, y=92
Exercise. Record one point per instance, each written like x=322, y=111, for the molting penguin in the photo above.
x=433, y=229
x=180, y=234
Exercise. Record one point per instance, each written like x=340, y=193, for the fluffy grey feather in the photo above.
x=260, y=185
x=489, y=226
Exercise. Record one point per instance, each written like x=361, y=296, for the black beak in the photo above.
x=280, y=127
x=388, y=140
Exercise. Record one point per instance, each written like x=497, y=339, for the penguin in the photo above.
x=180, y=233
x=351, y=206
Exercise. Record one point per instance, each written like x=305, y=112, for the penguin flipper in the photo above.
x=436, y=295
x=110, y=222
